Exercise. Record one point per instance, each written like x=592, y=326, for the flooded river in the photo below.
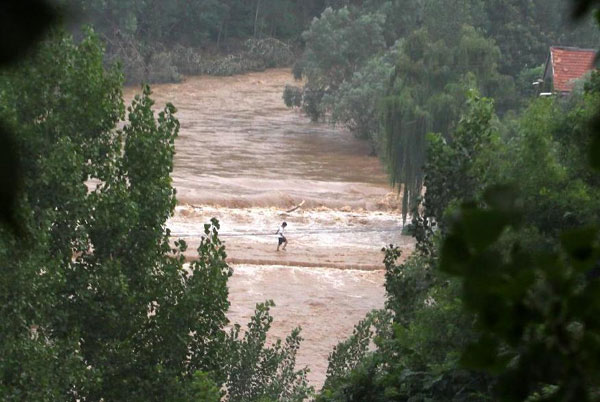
x=246, y=159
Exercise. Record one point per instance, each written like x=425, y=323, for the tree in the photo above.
x=22, y=38
x=416, y=342
x=97, y=300
x=505, y=306
x=259, y=373
x=427, y=94
x=337, y=44
x=456, y=170
x=355, y=104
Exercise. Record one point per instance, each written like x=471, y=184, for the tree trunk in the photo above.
x=219, y=35
x=256, y=18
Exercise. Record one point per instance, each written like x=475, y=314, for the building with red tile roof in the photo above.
x=565, y=65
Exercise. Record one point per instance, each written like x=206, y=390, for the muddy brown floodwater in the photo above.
x=245, y=158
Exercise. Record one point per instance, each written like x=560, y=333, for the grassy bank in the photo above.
x=160, y=64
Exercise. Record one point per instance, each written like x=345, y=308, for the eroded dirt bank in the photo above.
x=244, y=158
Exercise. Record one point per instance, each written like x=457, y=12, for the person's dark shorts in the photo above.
x=282, y=240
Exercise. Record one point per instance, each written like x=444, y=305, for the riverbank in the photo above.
x=160, y=64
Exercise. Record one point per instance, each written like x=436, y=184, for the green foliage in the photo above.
x=272, y=52
x=509, y=314
x=345, y=68
x=337, y=44
x=526, y=78
x=349, y=354
x=168, y=64
x=536, y=311
x=355, y=103
x=405, y=125
x=416, y=356
x=427, y=95
x=406, y=285
x=360, y=384
x=419, y=359
x=525, y=30
x=98, y=302
x=24, y=24
x=259, y=373
x=456, y=169
x=201, y=22
x=520, y=278
x=146, y=37
x=593, y=150
x=204, y=389
x=439, y=53
x=292, y=96
x=550, y=153
x=544, y=151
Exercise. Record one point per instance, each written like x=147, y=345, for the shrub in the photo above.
x=270, y=51
x=162, y=69
x=292, y=96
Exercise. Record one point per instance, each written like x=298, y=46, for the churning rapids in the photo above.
x=245, y=159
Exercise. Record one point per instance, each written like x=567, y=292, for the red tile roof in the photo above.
x=569, y=64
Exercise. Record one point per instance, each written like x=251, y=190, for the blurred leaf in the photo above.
x=482, y=228
x=22, y=24
x=483, y=354
x=501, y=197
x=581, y=7
x=455, y=255
x=595, y=145
x=10, y=179
x=579, y=242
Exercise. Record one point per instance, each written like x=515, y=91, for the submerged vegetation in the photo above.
x=499, y=301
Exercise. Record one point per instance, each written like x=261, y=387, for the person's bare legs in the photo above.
x=284, y=245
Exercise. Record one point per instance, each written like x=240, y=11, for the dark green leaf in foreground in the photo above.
x=22, y=25
x=594, y=152
x=10, y=178
x=582, y=7
x=579, y=243
x=483, y=354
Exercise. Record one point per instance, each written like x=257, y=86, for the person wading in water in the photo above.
x=282, y=239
